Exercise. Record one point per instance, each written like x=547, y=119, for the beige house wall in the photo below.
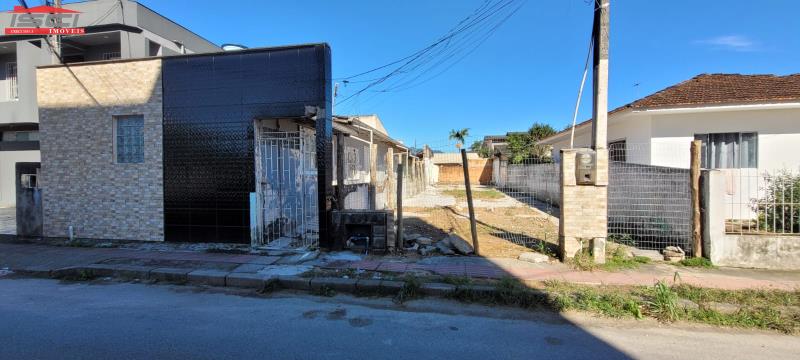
x=83, y=185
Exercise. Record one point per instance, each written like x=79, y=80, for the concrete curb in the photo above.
x=251, y=280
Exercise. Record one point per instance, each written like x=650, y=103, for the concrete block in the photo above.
x=39, y=271
x=170, y=275
x=437, y=289
x=246, y=280
x=391, y=286
x=372, y=286
x=337, y=284
x=599, y=250
x=131, y=271
x=294, y=282
x=99, y=270
x=71, y=271
x=207, y=277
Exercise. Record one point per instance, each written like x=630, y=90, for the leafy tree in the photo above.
x=481, y=148
x=523, y=146
x=459, y=136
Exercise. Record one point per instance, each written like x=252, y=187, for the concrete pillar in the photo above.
x=584, y=208
x=714, y=214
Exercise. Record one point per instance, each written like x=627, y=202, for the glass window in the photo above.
x=729, y=150
x=26, y=136
x=129, y=134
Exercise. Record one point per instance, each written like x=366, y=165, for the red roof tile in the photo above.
x=719, y=89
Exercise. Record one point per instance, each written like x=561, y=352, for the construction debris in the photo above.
x=673, y=254
x=458, y=244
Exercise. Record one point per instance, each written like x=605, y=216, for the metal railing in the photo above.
x=762, y=202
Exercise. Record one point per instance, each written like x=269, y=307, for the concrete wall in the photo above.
x=768, y=251
x=7, y=173
x=83, y=185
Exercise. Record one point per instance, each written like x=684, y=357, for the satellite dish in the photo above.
x=233, y=47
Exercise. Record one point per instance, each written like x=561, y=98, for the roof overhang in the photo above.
x=721, y=107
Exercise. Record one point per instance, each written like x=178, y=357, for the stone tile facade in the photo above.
x=83, y=185
x=584, y=208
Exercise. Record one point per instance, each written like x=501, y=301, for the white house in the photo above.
x=749, y=124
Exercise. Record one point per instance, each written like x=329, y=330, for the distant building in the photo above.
x=115, y=29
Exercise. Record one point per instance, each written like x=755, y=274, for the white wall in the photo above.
x=778, y=135
x=634, y=128
x=8, y=160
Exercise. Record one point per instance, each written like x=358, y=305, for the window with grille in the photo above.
x=11, y=75
x=729, y=150
x=111, y=55
x=129, y=137
x=618, y=151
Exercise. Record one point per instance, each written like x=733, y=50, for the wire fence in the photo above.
x=510, y=218
x=649, y=195
x=649, y=207
x=762, y=202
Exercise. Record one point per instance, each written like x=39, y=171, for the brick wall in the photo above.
x=480, y=172
x=584, y=208
x=83, y=186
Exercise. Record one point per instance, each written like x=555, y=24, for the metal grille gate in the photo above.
x=286, y=187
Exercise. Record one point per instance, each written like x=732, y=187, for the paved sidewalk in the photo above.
x=43, y=258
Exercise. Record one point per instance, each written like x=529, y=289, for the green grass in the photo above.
x=615, y=260
x=697, y=262
x=476, y=194
x=759, y=309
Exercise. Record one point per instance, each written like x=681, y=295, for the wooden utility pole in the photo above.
x=399, y=237
x=600, y=75
x=694, y=171
x=473, y=228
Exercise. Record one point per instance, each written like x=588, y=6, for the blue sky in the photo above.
x=528, y=71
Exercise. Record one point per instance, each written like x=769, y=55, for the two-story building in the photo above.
x=114, y=29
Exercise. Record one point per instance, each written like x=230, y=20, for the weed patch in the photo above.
x=409, y=291
x=700, y=262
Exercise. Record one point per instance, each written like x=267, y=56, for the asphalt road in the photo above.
x=46, y=319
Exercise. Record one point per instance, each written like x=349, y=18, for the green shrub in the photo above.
x=777, y=210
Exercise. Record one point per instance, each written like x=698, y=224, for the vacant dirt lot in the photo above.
x=501, y=232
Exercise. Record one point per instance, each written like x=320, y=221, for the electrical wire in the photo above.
x=478, y=25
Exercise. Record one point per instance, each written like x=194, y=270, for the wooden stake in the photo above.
x=694, y=171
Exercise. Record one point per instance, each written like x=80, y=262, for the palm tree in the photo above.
x=459, y=136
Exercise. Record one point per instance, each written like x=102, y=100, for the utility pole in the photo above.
x=57, y=38
x=600, y=75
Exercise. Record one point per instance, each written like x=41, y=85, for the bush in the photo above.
x=778, y=210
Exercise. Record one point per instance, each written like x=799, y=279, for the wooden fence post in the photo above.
x=694, y=171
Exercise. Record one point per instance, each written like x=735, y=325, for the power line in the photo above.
x=472, y=25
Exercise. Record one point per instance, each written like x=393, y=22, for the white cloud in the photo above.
x=731, y=42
